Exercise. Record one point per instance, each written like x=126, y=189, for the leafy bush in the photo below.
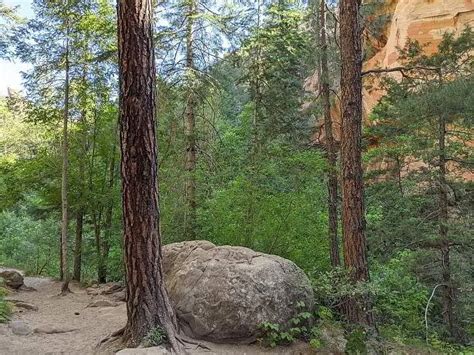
x=356, y=342
x=325, y=319
x=28, y=243
x=156, y=336
x=5, y=309
x=400, y=299
x=279, y=209
x=283, y=334
x=332, y=286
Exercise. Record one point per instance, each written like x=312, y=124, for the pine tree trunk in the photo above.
x=64, y=177
x=81, y=209
x=105, y=245
x=96, y=211
x=78, y=245
x=257, y=93
x=97, y=223
x=254, y=152
x=448, y=293
x=357, y=309
x=190, y=127
x=398, y=162
x=61, y=268
x=148, y=305
x=330, y=145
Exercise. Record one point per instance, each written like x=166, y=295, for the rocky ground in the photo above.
x=45, y=323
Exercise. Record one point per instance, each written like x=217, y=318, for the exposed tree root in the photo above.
x=183, y=339
x=112, y=337
x=65, y=290
x=116, y=340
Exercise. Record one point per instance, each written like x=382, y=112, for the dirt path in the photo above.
x=85, y=326
x=60, y=313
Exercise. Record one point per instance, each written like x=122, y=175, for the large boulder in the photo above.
x=12, y=278
x=223, y=294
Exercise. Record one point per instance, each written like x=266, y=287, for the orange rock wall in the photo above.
x=424, y=21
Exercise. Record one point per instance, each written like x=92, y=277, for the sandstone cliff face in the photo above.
x=422, y=20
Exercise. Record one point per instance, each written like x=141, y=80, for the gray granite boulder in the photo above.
x=223, y=293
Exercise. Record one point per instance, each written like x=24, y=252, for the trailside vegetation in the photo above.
x=136, y=130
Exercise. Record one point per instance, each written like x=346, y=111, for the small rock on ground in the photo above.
x=154, y=350
x=52, y=329
x=102, y=303
x=119, y=296
x=19, y=327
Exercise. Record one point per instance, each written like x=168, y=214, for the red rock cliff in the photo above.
x=421, y=20
x=424, y=21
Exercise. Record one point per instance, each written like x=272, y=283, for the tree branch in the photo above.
x=398, y=69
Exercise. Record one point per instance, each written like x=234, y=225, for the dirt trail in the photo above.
x=92, y=324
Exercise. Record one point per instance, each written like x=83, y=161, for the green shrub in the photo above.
x=5, y=309
x=278, y=209
x=155, y=337
x=284, y=334
x=356, y=342
x=28, y=243
x=400, y=299
x=332, y=286
x=327, y=329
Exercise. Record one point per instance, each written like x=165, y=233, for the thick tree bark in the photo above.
x=190, y=127
x=61, y=268
x=357, y=309
x=64, y=177
x=148, y=305
x=330, y=145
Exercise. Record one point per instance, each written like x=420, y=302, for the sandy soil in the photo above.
x=90, y=324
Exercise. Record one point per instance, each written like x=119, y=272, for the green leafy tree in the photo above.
x=8, y=21
x=191, y=41
x=77, y=39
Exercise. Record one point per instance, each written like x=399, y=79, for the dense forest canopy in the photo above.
x=262, y=142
